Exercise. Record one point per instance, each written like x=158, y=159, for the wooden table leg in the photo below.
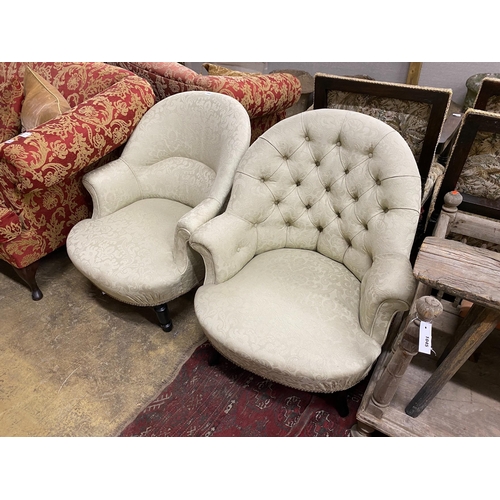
x=482, y=322
x=463, y=326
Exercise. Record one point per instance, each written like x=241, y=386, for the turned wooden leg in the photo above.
x=163, y=317
x=359, y=429
x=427, y=309
x=27, y=274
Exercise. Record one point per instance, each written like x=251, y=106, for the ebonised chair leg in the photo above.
x=163, y=317
x=339, y=401
x=27, y=274
x=214, y=358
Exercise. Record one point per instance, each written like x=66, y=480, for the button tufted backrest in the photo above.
x=337, y=182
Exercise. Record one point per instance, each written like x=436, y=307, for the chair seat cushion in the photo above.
x=291, y=316
x=119, y=253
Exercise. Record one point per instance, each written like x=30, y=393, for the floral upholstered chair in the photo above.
x=310, y=262
x=417, y=113
x=266, y=97
x=474, y=165
x=174, y=174
x=57, y=122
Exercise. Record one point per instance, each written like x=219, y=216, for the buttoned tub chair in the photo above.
x=174, y=174
x=310, y=261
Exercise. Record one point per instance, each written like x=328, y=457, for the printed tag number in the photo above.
x=425, y=338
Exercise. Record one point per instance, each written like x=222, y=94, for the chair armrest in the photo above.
x=202, y=213
x=226, y=244
x=61, y=147
x=187, y=225
x=112, y=187
x=387, y=288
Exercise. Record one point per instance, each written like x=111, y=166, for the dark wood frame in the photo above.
x=490, y=87
x=439, y=99
x=473, y=121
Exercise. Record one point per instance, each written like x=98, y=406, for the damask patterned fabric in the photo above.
x=11, y=98
x=41, y=195
x=309, y=263
x=266, y=97
x=174, y=174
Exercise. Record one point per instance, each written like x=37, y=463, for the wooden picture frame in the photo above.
x=438, y=99
x=474, y=121
x=488, y=96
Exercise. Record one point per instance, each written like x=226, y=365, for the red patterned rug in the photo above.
x=225, y=400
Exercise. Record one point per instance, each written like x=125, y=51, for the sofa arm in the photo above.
x=10, y=225
x=112, y=187
x=387, y=288
x=260, y=94
x=226, y=244
x=61, y=147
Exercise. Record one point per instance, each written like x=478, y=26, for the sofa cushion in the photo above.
x=42, y=101
x=11, y=98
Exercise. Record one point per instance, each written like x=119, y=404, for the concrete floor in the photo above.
x=78, y=363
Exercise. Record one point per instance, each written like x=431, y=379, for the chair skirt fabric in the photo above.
x=114, y=252
x=291, y=316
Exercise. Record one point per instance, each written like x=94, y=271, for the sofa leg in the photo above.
x=163, y=317
x=27, y=274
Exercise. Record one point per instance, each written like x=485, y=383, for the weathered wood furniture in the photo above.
x=467, y=272
x=459, y=270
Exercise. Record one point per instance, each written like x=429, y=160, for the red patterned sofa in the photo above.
x=266, y=97
x=41, y=194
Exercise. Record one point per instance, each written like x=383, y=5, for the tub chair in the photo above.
x=310, y=262
x=174, y=174
x=57, y=122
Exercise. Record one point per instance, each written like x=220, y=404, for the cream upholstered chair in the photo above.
x=309, y=263
x=174, y=174
x=417, y=113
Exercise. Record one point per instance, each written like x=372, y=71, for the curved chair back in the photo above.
x=338, y=182
x=191, y=161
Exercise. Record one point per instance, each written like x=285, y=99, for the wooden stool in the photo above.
x=468, y=272
x=456, y=269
